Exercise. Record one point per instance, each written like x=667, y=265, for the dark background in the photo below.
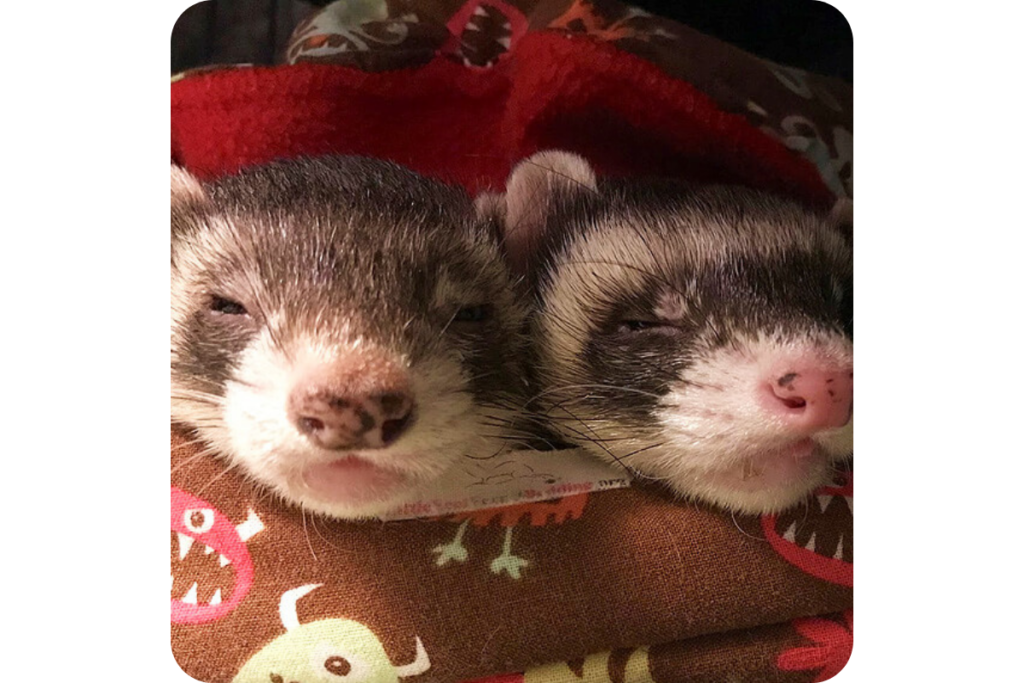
x=802, y=33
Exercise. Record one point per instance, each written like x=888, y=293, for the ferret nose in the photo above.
x=346, y=421
x=810, y=398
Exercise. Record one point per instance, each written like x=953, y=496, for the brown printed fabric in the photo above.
x=260, y=591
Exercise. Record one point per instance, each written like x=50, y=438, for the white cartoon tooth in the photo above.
x=184, y=545
x=215, y=600
x=224, y=561
x=849, y=501
x=191, y=597
x=207, y=549
x=823, y=501
x=790, y=534
x=250, y=527
x=838, y=554
x=810, y=544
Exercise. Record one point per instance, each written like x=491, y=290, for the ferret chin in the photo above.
x=343, y=330
x=700, y=336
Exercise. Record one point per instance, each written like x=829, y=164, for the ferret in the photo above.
x=699, y=336
x=342, y=329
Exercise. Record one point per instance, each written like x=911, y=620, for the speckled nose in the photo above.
x=810, y=398
x=353, y=405
x=337, y=422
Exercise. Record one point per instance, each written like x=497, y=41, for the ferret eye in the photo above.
x=227, y=306
x=633, y=326
x=473, y=314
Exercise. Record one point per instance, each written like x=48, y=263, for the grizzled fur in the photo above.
x=315, y=255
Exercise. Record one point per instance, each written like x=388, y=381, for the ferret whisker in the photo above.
x=197, y=397
x=216, y=478
x=641, y=450
x=469, y=456
x=201, y=381
x=735, y=523
x=312, y=523
x=309, y=542
x=204, y=453
x=191, y=443
x=605, y=449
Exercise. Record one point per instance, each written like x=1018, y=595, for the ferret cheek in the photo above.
x=838, y=443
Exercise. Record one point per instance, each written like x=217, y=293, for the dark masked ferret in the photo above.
x=342, y=329
x=701, y=336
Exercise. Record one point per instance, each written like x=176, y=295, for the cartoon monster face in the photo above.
x=325, y=651
x=807, y=538
x=201, y=529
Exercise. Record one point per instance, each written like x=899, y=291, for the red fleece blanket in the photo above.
x=612, y=586
x=470, y=125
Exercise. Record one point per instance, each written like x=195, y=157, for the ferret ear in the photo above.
x=188, y=202
x=185, y=188
x=531, y=193
x=841, y=218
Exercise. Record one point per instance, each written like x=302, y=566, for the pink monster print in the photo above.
x=832, y=645
x=818, y=540
x=207, y=545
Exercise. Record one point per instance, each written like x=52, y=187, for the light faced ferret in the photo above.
x=701, y=336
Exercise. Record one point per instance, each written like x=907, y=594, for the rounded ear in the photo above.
x=533, y=189
x=841, y=218
x=185, y=188
x=188, y=199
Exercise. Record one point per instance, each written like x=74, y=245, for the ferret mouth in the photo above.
x=352, y=479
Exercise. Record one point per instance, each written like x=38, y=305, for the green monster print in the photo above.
x=538, y=514
x=506, y=562
x=596, y=668
x=325, y=651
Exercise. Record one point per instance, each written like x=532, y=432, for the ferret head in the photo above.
x=700, y=336
x=342, y=330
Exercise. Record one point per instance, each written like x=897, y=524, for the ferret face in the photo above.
x=341, y=330
x=701, y=337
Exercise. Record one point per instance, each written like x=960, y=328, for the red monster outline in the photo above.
x=517, y=22
x=833, y=645
x=195, y=519
x=825, y=568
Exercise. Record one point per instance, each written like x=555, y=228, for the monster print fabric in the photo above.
x=622, y=585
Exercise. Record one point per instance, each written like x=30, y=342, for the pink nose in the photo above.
x=810, y=399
